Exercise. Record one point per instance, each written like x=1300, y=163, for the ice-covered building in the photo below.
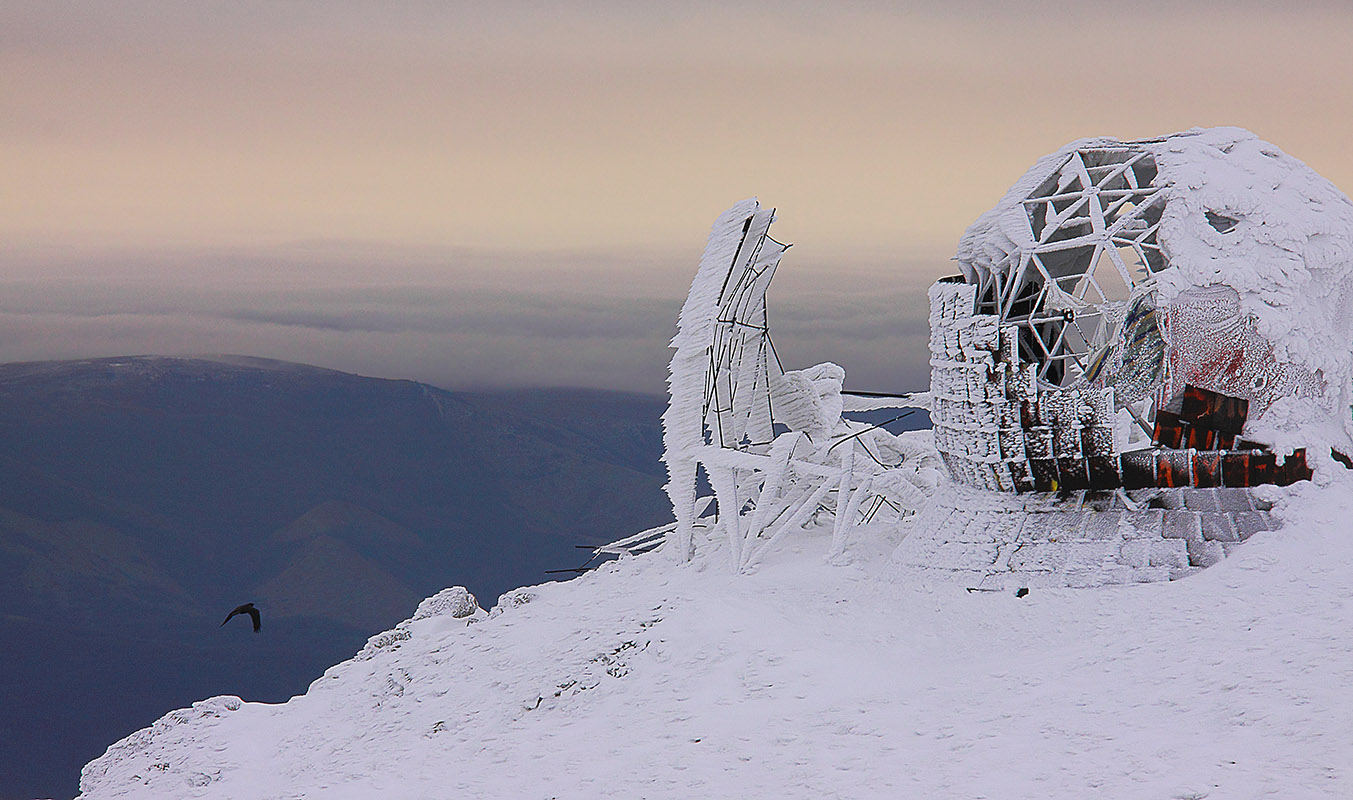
x=1142, y=333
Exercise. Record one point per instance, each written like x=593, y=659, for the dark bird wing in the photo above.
x=247, y=608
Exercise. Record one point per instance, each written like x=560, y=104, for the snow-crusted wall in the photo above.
x=997, y=540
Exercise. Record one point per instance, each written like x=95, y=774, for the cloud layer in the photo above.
x=487, y=320
x=158, y=157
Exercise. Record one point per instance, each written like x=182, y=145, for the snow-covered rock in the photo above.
x=455, y=601
x=451, y=607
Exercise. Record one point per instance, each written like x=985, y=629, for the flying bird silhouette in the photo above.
x=247, y=608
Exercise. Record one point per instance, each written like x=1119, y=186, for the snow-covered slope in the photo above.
x=646, y=679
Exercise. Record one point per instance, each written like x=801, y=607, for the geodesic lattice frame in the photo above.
x=773, y=444
x=1090, y=245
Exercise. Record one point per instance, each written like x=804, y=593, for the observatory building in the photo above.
x=1144, y=334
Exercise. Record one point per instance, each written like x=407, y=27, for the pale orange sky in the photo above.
x=586, y=128
x=879, y=130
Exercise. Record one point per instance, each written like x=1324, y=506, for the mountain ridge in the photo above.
x=141, y=497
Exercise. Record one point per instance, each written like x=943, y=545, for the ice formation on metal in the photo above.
x=1141, y=333
x=773, y=444
x=1115, y=279
x=1091, y=240
x=998, y=427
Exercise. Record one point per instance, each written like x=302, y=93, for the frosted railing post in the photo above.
x=681, y=476
x=725, y=484
x=843, y=496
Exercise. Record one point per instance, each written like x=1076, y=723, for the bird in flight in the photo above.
x=247, y=608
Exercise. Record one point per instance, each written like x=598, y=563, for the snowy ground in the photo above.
x=644, y=680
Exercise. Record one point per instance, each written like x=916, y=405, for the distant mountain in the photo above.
x=143, y=498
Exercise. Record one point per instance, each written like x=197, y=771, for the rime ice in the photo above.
x=1156, y=332
x=1129, y=345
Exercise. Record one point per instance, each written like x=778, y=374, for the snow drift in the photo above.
x=807, y=680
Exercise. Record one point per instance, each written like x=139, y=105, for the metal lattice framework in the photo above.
x=742, y=358
x=1090, y=245
x=772, y=443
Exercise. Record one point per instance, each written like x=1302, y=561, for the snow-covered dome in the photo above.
x=1241, y=253
x=1148, y=339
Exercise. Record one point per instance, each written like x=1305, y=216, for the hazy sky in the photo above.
x=479, y=194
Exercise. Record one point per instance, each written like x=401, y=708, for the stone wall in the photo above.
x=1084, y=538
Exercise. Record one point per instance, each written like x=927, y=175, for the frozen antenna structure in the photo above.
x=772, y=443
